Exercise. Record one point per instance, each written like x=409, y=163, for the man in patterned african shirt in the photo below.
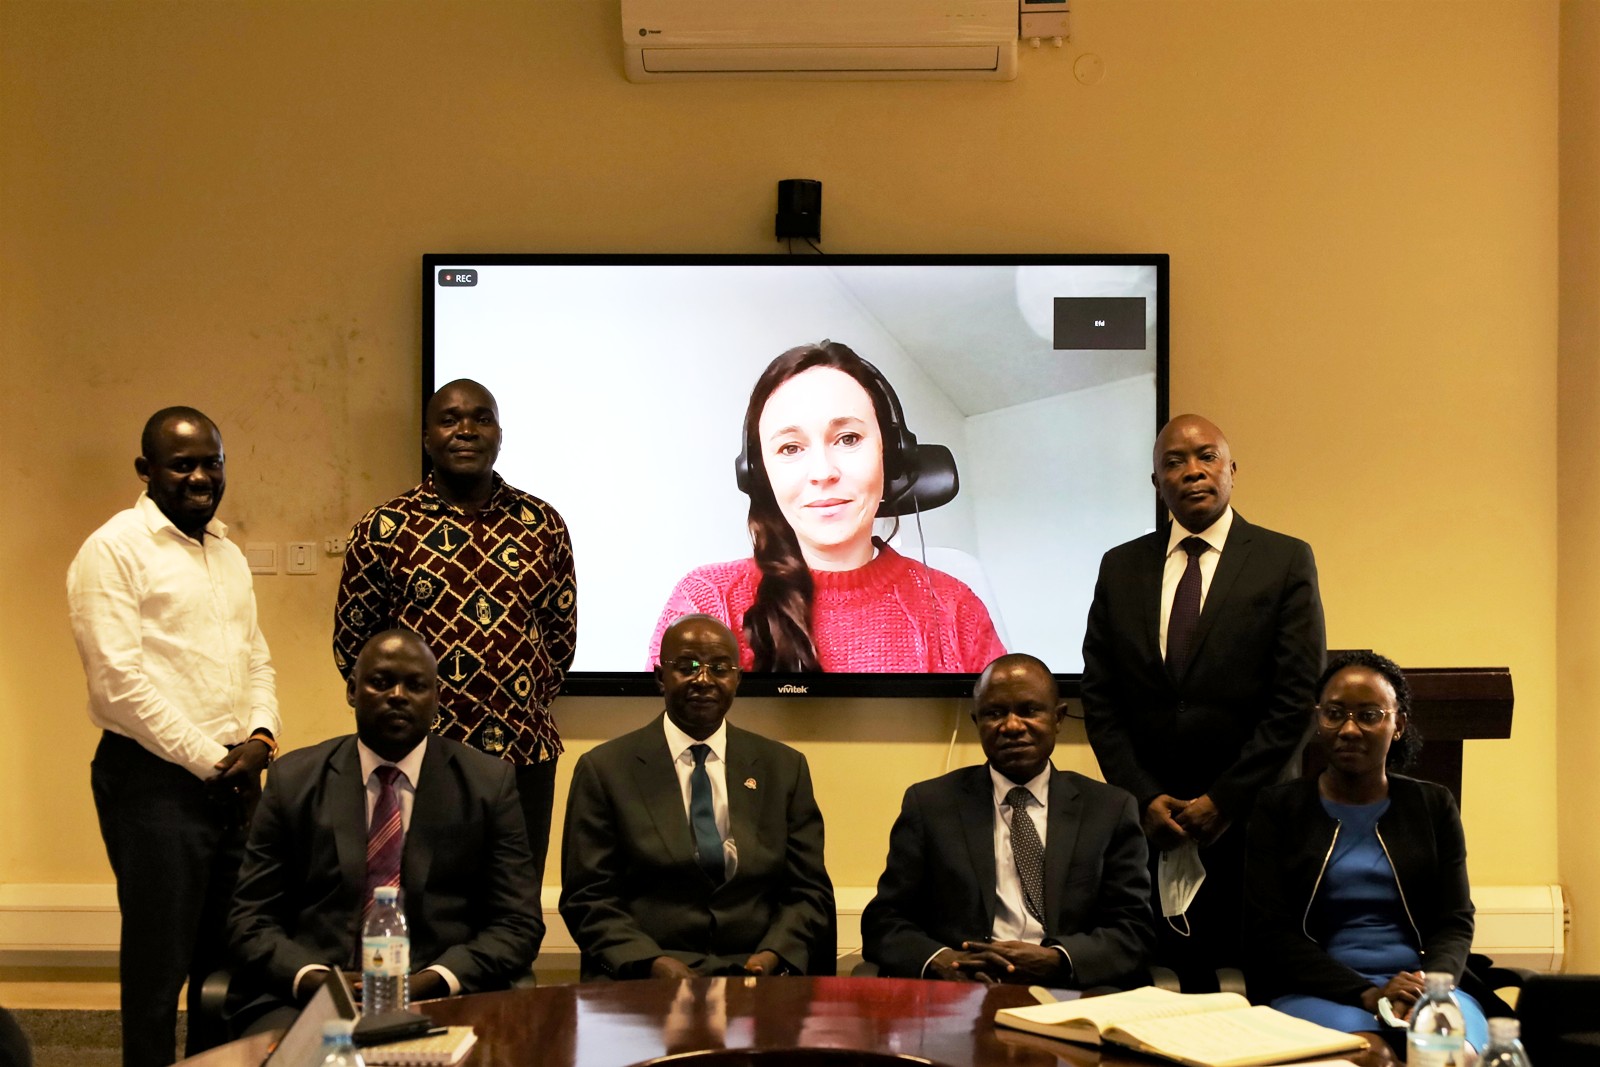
x=483, y=572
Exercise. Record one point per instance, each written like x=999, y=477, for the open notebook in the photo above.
x=1203, y=1030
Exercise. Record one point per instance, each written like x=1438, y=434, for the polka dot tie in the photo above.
x=1027, y=851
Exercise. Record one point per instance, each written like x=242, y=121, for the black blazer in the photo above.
x=938, y=887
x=1230, y=724
x=1290, y=839
x=466, y=878
x=631, y=889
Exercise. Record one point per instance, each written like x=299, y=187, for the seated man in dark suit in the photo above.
x=336, y=820
x=971, y=893
x=693, y=847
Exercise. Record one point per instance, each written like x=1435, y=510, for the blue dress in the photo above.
x=1359, y=900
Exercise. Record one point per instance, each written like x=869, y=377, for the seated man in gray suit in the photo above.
x=970, y=893
x=693, y=847
x=391, y=805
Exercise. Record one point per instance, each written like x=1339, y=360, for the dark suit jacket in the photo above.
x=631, y=889
x=466, y=875
x=938, y=888
x=1230, y=724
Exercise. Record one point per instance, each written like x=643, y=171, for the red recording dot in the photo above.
x=449, y=278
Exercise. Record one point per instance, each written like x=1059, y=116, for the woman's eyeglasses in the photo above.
x=1332, y=716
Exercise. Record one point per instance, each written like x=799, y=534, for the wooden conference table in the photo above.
x=767, y=1022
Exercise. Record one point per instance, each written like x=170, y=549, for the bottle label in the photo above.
x=1436, y=1052
x=389, y=956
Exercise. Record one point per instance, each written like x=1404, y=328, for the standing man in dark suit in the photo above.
x=484, y=572
x=693, y=847
x=1200, y=664
x=390, y=805
x=971, y=893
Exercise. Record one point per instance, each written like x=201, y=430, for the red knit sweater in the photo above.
x=893, y=615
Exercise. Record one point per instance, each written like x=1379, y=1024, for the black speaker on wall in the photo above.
x=799, y=209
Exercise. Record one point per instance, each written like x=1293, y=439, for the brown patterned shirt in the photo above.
x=494, y=595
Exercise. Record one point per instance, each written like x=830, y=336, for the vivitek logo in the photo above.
x=792, y=688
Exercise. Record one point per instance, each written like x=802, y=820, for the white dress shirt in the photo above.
x=166, y=628
x=1215, y=535
x=679, y=743
x=405, y=786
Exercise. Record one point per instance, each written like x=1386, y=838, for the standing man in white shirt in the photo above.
x=181, y=683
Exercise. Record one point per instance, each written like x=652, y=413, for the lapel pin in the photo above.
x=749, y=783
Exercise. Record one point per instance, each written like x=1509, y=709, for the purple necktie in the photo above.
x=385, y=835
x=1185, y=608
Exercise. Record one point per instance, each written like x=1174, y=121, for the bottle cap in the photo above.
x=386, y=894
x=1438, y=983
x=1504, y=1030
x=338, y=1028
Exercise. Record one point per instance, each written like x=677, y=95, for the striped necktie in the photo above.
x=386, y=834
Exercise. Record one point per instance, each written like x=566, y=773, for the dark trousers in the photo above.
x=536, y=789
x=175, y=850
x=1215, y=919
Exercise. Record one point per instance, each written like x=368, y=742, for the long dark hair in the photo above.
x=1403, y=750
x=777, y=627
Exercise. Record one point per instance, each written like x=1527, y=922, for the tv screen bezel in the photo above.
x=821, y=684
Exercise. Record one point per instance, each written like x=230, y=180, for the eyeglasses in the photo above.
x=1332, y=716
x=689, y=668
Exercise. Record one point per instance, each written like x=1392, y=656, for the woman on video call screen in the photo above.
x=843, y=547
x=825, y=453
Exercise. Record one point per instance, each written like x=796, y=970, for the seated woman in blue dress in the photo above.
x=1356, y=881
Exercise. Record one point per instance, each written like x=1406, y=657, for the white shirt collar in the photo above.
x=1038, y=786
x=156, y=519
x=410, y=764
x=678, y=742
x=1215, y=535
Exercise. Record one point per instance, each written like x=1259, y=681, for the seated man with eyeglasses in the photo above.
x=693, y=847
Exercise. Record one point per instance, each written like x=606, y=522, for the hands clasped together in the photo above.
x=1169, y=822
x=998, y=961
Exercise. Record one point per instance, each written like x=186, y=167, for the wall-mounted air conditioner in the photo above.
x=683, y=40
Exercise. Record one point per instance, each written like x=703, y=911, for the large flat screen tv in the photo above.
x=933, y=452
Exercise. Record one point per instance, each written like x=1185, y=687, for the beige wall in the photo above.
x=1578, y=643
x=223, y=204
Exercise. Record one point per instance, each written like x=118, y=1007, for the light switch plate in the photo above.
x=301, y=558
x=262, y=556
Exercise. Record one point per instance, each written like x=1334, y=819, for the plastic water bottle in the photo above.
x=338, y=1046
x=385, y=955
x=1438, y=1035
x=1505, y=1045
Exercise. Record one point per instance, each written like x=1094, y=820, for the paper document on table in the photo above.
x=1244, y=1038
x=1086, y=1018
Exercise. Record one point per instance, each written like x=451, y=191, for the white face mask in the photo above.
x=1179, y=875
